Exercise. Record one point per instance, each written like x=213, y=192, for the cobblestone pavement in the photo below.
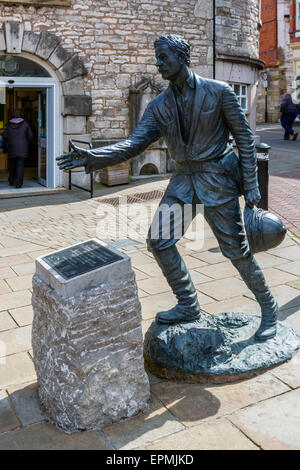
x=257, y=413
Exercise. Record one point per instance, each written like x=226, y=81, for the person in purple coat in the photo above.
x=16, y=138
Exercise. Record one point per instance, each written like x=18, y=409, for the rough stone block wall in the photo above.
x=237, y=28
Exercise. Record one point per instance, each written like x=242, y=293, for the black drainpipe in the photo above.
x=214, y=39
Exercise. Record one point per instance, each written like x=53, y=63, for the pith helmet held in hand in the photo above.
x=264, y=230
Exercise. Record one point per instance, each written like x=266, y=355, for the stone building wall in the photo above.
x=115, y=40
x=237, y=27
x=237, y=41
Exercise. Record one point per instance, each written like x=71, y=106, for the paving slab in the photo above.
x=225, y=288
x=292, y=252
x=15, y=299
x=20, y=249
x=199, y=245
x=210, y=257
x=16, y=259
x=23, y=269
x=193, y=404
x=16, y=340
x=295, y=284
x=291, y=267
x=23, y=315
x=156, y=303
x=44, y=436
x=198, y=278
x=146, y=325
x=275, y=276
x=219, y=271
x=291, y=316
x=193, y=262
x=266, y=260
x=144, y=428
x=139, y=275
x=150, y=269
x=8, y=242
x=217, y=435
x=20, y=282
x=203, y=298
x=4, y=287
x=6, y=273
x=6, y=321
x=154, y=285
x=274, y=423
x=8, y=419
x=289, y=372
x=138, y=259
x=16, y=369
x=286, y=296
x=236, y=304
x=26, y=403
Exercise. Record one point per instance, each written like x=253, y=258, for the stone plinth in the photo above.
x=216, y=349
x=87, y=346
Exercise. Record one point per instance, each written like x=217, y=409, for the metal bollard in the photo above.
x=262, y=157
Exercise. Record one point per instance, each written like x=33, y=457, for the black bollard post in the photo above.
x=262, y=156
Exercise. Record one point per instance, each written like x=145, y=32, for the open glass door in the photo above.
x=42, y=138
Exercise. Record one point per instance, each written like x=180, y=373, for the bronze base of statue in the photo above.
x=218, y=348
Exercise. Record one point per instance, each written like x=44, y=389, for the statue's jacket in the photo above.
x=216, y=114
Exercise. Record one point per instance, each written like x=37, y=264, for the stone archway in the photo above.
x=68, y=66
x=149, y=169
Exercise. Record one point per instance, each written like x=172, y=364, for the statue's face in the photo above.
x=168, y=62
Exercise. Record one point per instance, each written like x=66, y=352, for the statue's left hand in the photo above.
x=252, y=197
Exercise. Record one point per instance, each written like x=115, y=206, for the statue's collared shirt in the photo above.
x=185, y=102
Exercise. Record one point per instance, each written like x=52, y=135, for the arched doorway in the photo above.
x=149, y=169
x=62, y=90
x=33, y=88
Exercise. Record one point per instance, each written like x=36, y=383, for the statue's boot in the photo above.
x=179, y=279
x=255, y=281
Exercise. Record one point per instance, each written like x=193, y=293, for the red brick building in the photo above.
x=280, y=51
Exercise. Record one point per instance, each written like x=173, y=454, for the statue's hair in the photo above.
x=176, y=43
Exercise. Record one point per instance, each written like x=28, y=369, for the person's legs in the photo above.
x=166, y=229
x=19, y=172
x=226, y=223
x=12, y=165
x=287, y=121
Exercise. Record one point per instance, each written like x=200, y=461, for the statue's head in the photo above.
x=172, y=53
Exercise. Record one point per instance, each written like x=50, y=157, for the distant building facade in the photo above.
x=280, y=51
x=92, y=65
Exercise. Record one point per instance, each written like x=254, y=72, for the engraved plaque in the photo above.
x=80, y=259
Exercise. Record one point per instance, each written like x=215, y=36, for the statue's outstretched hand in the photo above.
x=252, y=197
x=78, y=157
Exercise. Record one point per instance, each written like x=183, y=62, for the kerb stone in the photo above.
x=87, y=346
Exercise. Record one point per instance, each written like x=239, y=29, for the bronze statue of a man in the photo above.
x=195, y=116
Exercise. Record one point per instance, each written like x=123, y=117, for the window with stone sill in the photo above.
x=241, y=93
